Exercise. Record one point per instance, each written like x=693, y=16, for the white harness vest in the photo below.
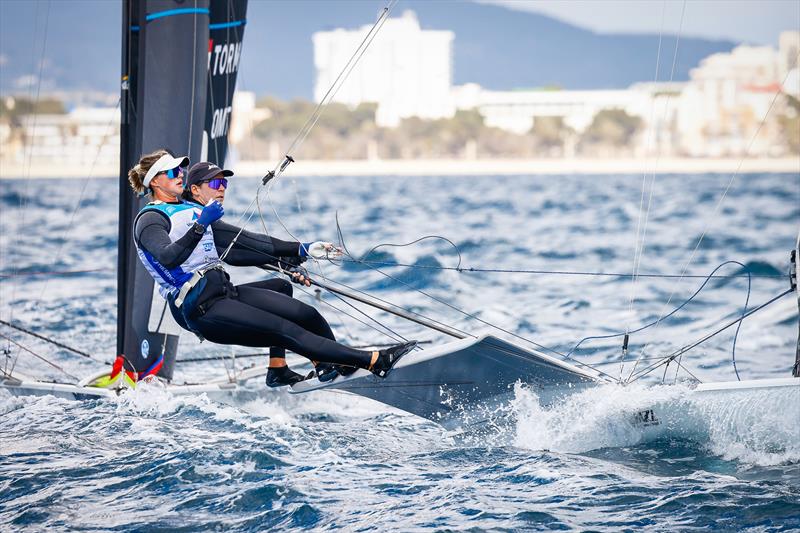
x=204, y=256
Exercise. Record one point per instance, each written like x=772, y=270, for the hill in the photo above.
x=494, y=46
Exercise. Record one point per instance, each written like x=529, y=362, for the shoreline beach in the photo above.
x=445, y=167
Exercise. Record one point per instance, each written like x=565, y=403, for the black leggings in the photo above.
x=263, y=313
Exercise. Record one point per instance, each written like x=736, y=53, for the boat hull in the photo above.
x=462, y=383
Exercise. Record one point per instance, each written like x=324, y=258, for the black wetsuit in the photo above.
x=258, y=314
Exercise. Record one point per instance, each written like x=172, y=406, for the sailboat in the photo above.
x=184, y=59
x=179, y=69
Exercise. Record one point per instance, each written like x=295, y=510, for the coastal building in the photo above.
x=789, y=61
x=407, y=71
x=84, y=136
x=517, y=111
x=721, y=109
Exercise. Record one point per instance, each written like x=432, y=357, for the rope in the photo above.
x=684, y=304
x=636, y=256
x=53, y=342
x=713, y=215
x=469, y=270
x=640, y=244
x=462, y=270
x=28, y=158
x=21, y=347
x=273, y=175
x=472, y=316
x=667, y=359
x=52, y=273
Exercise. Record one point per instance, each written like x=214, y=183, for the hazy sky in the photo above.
x=754, y=21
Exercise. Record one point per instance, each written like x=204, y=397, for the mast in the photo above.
x=164, y=62
x=795, y=262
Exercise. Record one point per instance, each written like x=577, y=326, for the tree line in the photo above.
x=345, y=133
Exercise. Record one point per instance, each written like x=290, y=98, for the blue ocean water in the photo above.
x=149, y=461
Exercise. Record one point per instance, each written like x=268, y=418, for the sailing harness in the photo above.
x=182, y=285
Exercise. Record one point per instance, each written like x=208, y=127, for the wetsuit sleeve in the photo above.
x=251, y=249
x=152, y=234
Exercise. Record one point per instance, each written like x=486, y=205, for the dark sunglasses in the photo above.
x=174, y=172
x=216, y=183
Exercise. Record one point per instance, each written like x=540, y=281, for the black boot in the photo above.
x=389, y=356
x=329, y=371
x=282, y=376
x=326, y=372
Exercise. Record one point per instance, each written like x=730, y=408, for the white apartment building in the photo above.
x=517, y=111
x=83, y=136
x=728, y=96
x=407, y=71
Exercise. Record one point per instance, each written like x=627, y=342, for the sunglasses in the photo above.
x=174, y=172
x=216, y=183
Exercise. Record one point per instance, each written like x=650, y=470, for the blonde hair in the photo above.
x=137, y=174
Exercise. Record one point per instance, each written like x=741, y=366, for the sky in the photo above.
x=751, y=21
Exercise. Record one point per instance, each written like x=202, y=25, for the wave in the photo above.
x=752, y=426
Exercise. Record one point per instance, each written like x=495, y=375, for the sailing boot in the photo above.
x=327, y=372
x=282, y=376
x=384, y=360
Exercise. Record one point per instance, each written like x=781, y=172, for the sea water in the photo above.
x=150, y=461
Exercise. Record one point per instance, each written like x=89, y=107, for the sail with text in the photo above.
x=226, y=31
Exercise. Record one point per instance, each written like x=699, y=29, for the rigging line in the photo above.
x=468, y=315
x=468, y=270
x=635, y=267
x=340, y=234
x=21, y=347
x=678, y=368
x=343, y=75
x=359, y=291
x=684, y=304
x=733, y=347
x=472, y=316
x=392, y=335
x=667, y=358
x=455, y=247
x=63, y=240
x=194, y=73
x=281, y=165
x=52, y=273
x=24, y=199
x=655, y=166
x=53, y=342
x=712, y=217
x=334, y=88
x=319, y=266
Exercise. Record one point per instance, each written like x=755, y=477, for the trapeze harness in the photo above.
x=176, y=284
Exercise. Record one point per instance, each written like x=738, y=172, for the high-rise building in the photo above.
x=407, y=71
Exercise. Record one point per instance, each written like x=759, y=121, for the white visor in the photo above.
x=165, y=162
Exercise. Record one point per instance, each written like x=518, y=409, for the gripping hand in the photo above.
x=212, y=212
x=299, y=275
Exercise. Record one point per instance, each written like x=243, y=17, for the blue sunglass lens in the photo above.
x=174, y=172
x=216, y=183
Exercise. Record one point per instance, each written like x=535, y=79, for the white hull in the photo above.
x=222, y=390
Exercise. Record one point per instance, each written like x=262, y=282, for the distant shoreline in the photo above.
x=449, y=167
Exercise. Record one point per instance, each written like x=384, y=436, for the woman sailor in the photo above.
x=180, y=244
